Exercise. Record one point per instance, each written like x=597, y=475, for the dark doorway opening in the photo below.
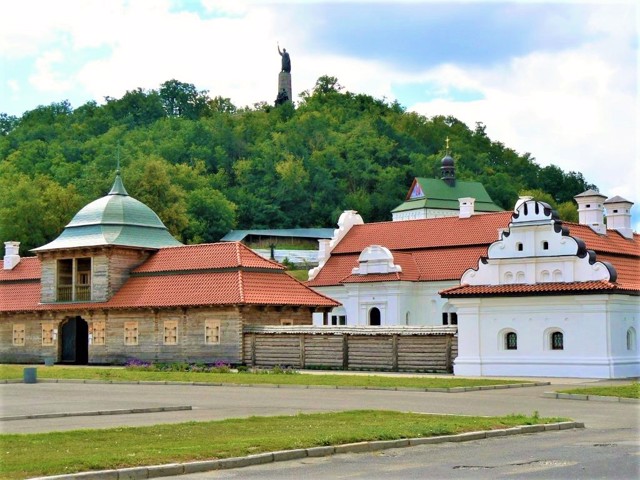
x=374, y=316
x=75, y=341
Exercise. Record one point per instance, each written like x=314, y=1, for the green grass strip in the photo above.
x=121, y=374
x=28, y=455
x=631, y=390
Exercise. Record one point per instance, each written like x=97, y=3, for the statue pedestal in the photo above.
x=284, y=82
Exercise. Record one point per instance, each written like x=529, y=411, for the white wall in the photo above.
x=594, y=328
x=394, y=300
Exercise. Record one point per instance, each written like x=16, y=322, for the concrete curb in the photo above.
x=98, y=412
x=277, y=385
x=593, y=398
x=171, y=469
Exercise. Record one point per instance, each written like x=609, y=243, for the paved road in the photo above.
x=607, y=448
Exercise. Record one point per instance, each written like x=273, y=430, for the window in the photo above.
x=557, y=341
x=374, y=316
x=631, y=339
x=212, y=332
x=48, y=334
x=170, y=336
x=511, y=341
x=445, y=318
x=545, y=245
x=284, y=321
x=18, y=334
x=131, y=333
x=453, y=318
x=97, y=333
x=519, y=246
x=74, y=280
x=338, y=319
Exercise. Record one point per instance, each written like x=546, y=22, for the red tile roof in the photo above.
x=27, y=269
x=429, y=233
x=444, y=248
x=430, y=264
x=538, y=289
x=206, y=256
x=211, y=274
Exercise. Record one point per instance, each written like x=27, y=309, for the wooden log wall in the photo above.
x=383, y=351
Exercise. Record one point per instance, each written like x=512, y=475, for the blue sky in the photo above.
x=555, y=79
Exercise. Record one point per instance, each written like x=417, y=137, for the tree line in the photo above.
x=206, y=166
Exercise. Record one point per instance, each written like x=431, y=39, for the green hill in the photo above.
x=206, y=166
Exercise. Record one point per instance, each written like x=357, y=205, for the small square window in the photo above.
x=286, y=322
x=98, y=333
x=557, y=341
x=18, y=335
x=48, y=335
x=131, y=333
x=212, y=332
x=170, y=336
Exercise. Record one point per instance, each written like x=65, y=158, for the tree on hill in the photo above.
x=206, y=166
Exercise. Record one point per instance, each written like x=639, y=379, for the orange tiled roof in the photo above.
x=27, y=269
x=211, y=274
x=428, y=233
x=444, y=248
x=560, y=288
x=206, y=256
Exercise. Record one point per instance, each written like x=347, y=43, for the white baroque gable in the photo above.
x=376, y=259
x=537, y=248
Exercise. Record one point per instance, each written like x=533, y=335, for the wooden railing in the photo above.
x=82, y=293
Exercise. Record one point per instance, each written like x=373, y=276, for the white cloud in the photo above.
x=566, y=108
x=45, y=77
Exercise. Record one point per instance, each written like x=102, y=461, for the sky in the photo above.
x=556, y=79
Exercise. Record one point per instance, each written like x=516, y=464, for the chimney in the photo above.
x=11, y=255
x=619, y=215
x=591, y=210
x=467, y=207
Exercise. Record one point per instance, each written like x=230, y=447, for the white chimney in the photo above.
x=619, y=215
x=467, y=206
x=11, y=255
x=591, y=210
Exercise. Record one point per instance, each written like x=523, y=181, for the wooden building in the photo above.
x=115, y=285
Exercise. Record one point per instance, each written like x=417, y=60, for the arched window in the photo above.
x=631, y=339
x=545, y=245
x=511, y=341
x=520, y=278
x=508, y=277
x=453, y=318
x=519, y=246
x=374, y=316
x=557, y=276
x=557, y=341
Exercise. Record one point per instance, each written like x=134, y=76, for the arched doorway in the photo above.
x=75, y=341
x=374, y=316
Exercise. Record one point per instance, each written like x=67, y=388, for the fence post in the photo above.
x=394, y=352
x=302, y=344
x=345, y=352
x=253, y=349
x=447, y=360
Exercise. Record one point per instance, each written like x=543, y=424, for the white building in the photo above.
x=542, y=304
x=544, y=281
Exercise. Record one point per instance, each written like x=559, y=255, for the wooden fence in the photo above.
x=426, y=349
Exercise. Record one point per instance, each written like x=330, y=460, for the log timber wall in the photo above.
x=426, y=349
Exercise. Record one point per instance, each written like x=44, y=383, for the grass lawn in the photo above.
x=97, y=373
x=627, y=391
x=28, y=455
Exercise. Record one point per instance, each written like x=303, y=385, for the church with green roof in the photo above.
x=444, y=197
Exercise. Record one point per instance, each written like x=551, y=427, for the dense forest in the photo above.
x=206, y=166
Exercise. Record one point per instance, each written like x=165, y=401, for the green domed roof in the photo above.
x=115, y=219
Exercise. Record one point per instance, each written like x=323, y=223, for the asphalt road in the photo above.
x=607, y=448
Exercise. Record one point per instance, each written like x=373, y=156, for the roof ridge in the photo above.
x=241, y=286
